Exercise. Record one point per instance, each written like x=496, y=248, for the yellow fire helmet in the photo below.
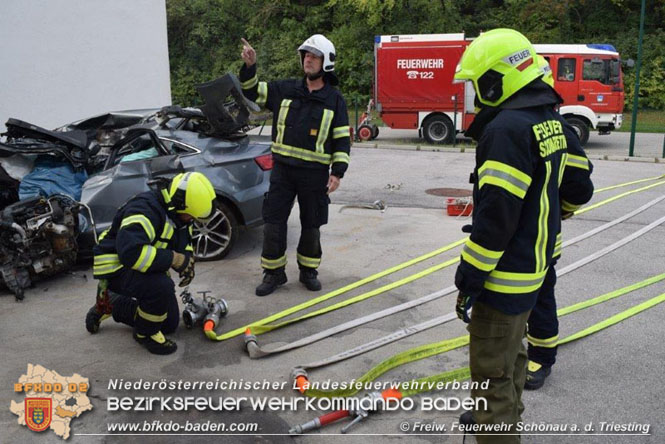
x=192, y=193
x=499, y=63
x=545, y=67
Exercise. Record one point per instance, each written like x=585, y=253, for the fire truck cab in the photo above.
x=414, y=89
x=589, y=79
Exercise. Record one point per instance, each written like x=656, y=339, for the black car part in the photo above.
x=225, y=106
x=26, y=138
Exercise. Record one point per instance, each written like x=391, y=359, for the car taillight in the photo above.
x=264, y=162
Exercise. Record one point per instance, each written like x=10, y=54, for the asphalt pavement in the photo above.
x=613, y=377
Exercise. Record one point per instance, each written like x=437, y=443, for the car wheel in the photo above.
x=581, y=129
x=214, y=238
x=438, y=129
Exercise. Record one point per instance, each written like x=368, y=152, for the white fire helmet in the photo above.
x=320, y=46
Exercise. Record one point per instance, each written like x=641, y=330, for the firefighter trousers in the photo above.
x=309, y=185
x=146, y=301
x=497, y=355
x=543, y=325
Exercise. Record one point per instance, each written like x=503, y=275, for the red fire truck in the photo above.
x=414, y=89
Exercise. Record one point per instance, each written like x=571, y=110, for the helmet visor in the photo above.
x=458, y=69
x=311, y=49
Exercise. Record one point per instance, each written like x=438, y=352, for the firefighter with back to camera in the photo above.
x=528, y=169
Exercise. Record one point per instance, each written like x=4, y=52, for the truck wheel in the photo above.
x=214, y=238
x=365, y=132
x=581, y=129
x=375, y=132
x=438, y=129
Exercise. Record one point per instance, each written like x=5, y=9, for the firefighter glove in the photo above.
x=464, y=303
x=183, y=263
x=179, y=262
x=187, y=275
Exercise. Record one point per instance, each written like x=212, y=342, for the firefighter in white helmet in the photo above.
x=310, y=146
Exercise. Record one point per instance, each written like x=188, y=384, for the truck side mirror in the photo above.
x=629, y=63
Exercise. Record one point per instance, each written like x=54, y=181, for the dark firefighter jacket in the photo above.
x=142, y=236
x=530, y=168
x=308, y=129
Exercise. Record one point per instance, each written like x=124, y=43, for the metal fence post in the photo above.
x=355, y=134
x=454, y=120
x=631, y=147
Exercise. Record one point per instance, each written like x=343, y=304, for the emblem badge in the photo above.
x=38, y=413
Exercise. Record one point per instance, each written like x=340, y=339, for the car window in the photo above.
x=142, y=147
x=176, y=147
x=566, y=70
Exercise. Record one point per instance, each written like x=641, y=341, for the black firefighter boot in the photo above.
x=102, y=309
x=156, y=344
x=308, y=277
x=535, y=375
x=271, y=280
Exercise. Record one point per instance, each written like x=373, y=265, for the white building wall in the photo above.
x=62, y=60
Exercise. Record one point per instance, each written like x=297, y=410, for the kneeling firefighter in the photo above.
x=149, y=234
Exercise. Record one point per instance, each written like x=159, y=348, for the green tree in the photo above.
x=204, y=35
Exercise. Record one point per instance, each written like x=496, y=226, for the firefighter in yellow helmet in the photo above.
x=545, y=67
x=529, y=166
x=149, y=234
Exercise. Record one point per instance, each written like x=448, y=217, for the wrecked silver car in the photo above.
x=104, y=160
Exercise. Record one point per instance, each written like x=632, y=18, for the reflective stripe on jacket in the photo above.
x=308, y=129
x=528, y=166
x=142, y=236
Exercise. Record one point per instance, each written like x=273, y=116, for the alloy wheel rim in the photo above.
x=211, y=237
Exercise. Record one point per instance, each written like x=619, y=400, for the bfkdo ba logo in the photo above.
x=38, y=413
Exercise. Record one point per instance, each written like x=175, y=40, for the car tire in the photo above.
x=438, y=130
x=215, y=238
x=581, y=129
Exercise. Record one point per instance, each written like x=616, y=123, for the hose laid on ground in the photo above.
x=633, y=182
x=256, y=351
x=427, y=350
x=238, y=331
x=618, y=196
x=212, y=335
x=429, y=383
